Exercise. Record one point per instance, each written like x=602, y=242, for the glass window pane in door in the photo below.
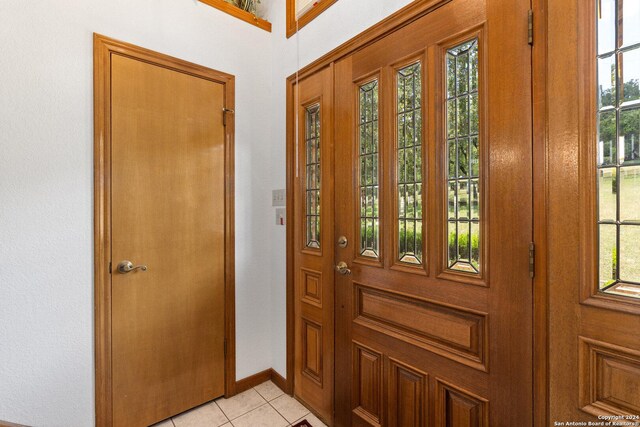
x=463, y=152
x=409, y=163
x=368, y=145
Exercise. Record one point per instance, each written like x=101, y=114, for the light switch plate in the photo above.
x=279, y=198
x=281, y=216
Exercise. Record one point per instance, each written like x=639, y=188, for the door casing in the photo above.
x=399, y=19
x=104, y=47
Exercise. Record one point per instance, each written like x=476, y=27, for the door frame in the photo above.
x=104, y=47
x=397, y=20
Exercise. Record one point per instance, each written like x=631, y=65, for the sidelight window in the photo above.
x=369, y=159
x=618, y=146
x=312, y=167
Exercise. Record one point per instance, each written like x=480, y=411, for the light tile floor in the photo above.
x=262, y=406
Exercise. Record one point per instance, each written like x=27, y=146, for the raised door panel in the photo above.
x=311, y=291
x=451, y=332
x=367, y=385
x=407, y=398
x=609, y=379
x=458, y=408
x=312, y=350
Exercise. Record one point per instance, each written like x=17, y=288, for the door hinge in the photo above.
x=224, y=115
x=532, y=260
x=530, y=27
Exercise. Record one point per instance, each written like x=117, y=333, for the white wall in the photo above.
x=339, y=23
x=46, y=173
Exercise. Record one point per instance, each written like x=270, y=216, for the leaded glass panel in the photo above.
x=618, y=146
x=463, y=151
x=368, y=151
x=409, y=163
x=312, y=167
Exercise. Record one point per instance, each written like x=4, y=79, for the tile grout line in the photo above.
x=246, y=413
x=229, y=419
x=273, y=407
x=264, y=397
x=223, y=413
x=285, y=418
x=266, y=402
x=278, y=412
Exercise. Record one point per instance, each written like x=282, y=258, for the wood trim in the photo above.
x=239, y=13
x=293, y=24
x=540, y=201
x=253, y=380
x=102, y=241
x=586, y=46
x=290, y=208
x=8, y=424
x=257, y=379
x=104, y=47
x=230, y=239
x=408, y=14
x=279, y=380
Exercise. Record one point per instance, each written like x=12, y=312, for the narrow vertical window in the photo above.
x=618, y=146
x=312, y=156
x=463, y=155
x=409, y=163
x=368, y=152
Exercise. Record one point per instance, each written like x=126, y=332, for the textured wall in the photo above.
x=46, y=174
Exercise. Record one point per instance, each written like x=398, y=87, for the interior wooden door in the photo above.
x=168, y=215
x=433, y=175
x=313, y=243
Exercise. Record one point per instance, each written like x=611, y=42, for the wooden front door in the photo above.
x=433, y=192
x=168, y=219
x=313, y=244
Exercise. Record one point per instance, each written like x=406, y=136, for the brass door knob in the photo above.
x=343, y=268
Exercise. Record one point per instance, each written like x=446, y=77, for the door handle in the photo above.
x=343, y=268
x=127, y=267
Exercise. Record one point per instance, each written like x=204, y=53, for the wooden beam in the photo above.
x=239, y=13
